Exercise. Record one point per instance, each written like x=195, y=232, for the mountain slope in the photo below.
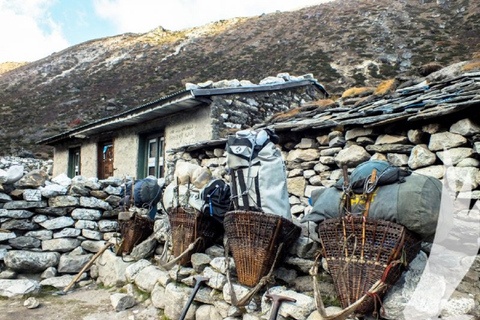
x=343, y=43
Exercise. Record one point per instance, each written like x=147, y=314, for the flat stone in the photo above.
x=390, y=139
x=30, y=261
x=60, y=245
x=53, y=211
x=19, y=224
x=465, y=127
x=86, y=214
x=58, y=223
x=86, y=224
x=301, y=155
x=63, y=201
x=386, y=148
x=15, y=214
x=5, y=197
x=22, y=204
x=40, y=234
x=445, y=140
x=432, y=171
x=7, y=236
x=92, y=245
x=454, y=155
x=357, y=132
x=18, y=287
x=24, y=242
x=61, y=282
x=67, y=233
x=91, y=202
x=107, y=225
x=53, y=190
x=32, y=195
x=91, y=234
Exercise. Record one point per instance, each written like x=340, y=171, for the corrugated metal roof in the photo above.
x=178, y=101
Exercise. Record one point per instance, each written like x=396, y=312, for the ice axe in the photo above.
x=199, y=280
x=277, y=301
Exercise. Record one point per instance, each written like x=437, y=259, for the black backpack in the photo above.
x=216, y=196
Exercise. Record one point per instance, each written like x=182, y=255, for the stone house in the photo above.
x=134, y=142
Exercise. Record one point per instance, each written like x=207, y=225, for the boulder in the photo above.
x=73, y=263
x=17, y=287
x=33, y=179
x=111, y=269
x=30, y=261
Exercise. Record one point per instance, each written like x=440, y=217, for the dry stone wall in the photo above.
x=54, y=226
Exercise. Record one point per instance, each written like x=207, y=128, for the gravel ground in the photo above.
x=87, y=303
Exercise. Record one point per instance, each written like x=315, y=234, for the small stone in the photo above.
x=122, y=301
x=31, y=303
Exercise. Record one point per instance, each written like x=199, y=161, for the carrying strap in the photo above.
x=243, y=189
x=234, y=189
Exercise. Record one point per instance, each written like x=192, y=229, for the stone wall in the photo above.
x=65, y=221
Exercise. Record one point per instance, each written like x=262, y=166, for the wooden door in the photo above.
x=105, y=160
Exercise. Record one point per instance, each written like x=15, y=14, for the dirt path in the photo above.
x=88, y=303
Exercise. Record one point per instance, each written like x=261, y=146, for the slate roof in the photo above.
x=179, y=101
x=427, y=98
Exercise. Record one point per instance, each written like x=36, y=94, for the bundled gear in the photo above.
x=259, y=181
x=412, y=200
x=146, y=194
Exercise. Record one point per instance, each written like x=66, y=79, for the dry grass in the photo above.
x=354, y=92
x=471, y=66
x=385, y=87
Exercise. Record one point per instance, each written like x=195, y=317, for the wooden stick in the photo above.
x=89, y=263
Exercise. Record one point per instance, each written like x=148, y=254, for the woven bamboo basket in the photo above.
x=254, y=238
x=359, y=252
x=133, y=232
x=187, y=226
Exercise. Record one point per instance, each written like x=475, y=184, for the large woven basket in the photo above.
x=187, y=226
x=133, y=232
x=359, y=252
x=253, y=239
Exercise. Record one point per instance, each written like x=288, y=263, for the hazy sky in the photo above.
x=33, y=29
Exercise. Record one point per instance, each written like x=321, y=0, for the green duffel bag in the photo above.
x=414, y=203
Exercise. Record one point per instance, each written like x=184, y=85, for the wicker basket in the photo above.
x=133, y=232
x=359, y=252
x=187, y=226
x=253, y=239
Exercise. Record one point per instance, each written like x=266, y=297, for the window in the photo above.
x=153, y=162
x=73, y=162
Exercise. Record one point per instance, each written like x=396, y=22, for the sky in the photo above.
x=33, y=29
